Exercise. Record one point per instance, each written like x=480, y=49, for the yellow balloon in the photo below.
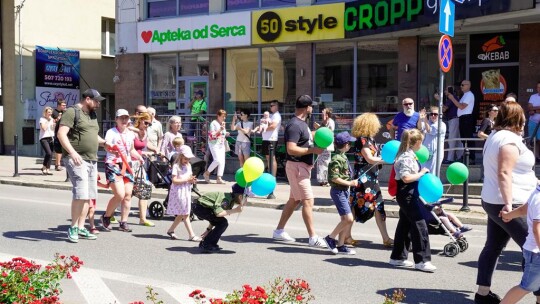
x=253, y=168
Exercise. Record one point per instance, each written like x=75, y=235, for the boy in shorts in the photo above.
x=339, y=178
x=530, y=281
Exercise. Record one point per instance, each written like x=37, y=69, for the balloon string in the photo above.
x=243, y=203
x=446, y=194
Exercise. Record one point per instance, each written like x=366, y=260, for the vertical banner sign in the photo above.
x=57, y=77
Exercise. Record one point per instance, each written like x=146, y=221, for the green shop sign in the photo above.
x=213, y=31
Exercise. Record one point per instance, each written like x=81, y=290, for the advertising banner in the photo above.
x=47, y=97
x=317, y=22
x=203, y=32
x=57, y=68
x=494, y=48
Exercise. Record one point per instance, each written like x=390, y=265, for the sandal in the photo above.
x=195, y=239
x=389, y=243
x=206, y=177
x=352, y=242
x=94, y=230
x=147, y=224
x=172, y=235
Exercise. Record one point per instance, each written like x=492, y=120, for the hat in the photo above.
x=121, y=112
x=237, y=189
x=186, y=151
x=94, y=94
x=343, y=138
x=304, y=101
x=199, y=92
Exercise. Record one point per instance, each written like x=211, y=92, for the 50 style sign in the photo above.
x=298, y=24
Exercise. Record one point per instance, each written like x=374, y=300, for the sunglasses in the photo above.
x=146, y=123
x=434, y=114
x=408, y=104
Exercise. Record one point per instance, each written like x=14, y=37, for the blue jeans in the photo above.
x=531, y=274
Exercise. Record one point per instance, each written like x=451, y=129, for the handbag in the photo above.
x=227, y=147
x=142, y=188
x=247, y=135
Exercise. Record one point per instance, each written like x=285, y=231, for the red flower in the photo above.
x=4, y=274
x=299, y=298
x=25, y=279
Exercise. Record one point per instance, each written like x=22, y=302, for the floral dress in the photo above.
x=366, y=197
x=180, y=195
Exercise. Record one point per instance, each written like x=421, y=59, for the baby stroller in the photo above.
x=160, y=176
x=435, y=226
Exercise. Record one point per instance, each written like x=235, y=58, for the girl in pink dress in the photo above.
x=180, y=193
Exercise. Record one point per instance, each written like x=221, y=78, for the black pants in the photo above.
x=220, y=224
x=47, y=145
x=467, y=126
x=411, y=226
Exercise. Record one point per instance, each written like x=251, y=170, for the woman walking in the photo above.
x=216, y=143
x=46, y=135
x=324, y=158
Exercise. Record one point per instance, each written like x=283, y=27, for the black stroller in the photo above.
x=159, y=173
x=435, y=226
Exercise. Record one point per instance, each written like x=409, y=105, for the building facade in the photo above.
x=50, y=50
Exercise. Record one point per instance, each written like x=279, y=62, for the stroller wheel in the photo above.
x=463, y=244
x=156, y=210
x=451, y=249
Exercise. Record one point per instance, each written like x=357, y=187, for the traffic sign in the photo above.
x=446, y=53
x=447, y=12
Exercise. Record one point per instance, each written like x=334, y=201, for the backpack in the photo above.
x=75, y=121
x=392, y=183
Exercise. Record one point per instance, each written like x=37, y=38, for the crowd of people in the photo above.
x=508, y=192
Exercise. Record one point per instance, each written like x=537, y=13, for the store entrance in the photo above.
x=186, y=88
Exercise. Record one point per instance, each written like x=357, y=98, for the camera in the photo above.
x=450, y=90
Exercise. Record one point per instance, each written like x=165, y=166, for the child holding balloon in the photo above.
x=411, y=226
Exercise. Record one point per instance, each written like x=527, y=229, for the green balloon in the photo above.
x=457, y=173
x=324, y=137
x=239, y=178
x=422, y=154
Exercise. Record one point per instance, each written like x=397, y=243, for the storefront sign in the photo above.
x=369, y=17
x=163, y=94
x=203, y=32
x=57, y=68
x=317, y=22
x=494, y=48
x=47, y=97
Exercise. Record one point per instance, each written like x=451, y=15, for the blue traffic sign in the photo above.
x=446, y=53
x=447, y=12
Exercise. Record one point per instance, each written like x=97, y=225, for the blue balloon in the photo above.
x=264, y=185
x=389, y=151
x=430, y=188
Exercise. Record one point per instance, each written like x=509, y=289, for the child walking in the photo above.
x=339, y=177
x=180, y=193
x=530, y=281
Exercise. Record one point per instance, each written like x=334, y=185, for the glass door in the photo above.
x=187, y=86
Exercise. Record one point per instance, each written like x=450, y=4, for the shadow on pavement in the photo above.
x=196, y=250
x=299, y=249
x=247, y=238
x=58, y=234
x=352, y=261
x=508, y=261
x=152, y=236
x=428, y=295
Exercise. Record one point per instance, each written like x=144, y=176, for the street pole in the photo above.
x=439, y=122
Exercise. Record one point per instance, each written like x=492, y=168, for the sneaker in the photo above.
x=73, y=234
x=490, y=298
x=271, y=196
x=106, y=223
x=457, y=234
x=345, y=250
x=86, y=234
x=282, y=236
x=208, y=249
x=331, y=244
x=113, y=220
x=465, y=228
x=317, y=242
x=425, y=266
x=124, y=227
x=147, y=224
x=401, y=263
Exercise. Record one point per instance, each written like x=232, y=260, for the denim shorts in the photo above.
x=531, y=274
x=341, y=200
x=83, y=178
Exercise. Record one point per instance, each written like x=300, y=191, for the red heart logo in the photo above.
x=146, y=36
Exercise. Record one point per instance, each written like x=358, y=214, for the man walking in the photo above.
x=467, y=121
x=57, y=115
x=79, y=137
x=270, y=139
x=155, y=131
x=300, y=150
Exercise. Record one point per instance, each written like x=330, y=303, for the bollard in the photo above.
x=465, y=206
x=16, y=139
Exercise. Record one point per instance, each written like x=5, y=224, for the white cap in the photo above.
x=185, y=150
x=122, y=112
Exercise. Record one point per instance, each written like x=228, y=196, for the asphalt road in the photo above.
x=119, y=265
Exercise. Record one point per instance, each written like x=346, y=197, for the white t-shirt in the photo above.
x=535, y=101
x=467, y=98
x=246, y=125
x=533, y=213
x=273, y=135
x=523, y=177
x=331, y=124
x=124, y=142
x=49, y=130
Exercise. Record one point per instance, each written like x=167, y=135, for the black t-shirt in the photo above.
x=55, y=115
x=297, y=131
x=486, y=126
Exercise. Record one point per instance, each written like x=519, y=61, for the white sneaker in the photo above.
x=401, y=263
x=282, y=236
x=317, y=242
x=425, y=266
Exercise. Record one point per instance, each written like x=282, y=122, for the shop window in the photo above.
x=241, y=79
x=268, y=79
x=161, y=8
x=162, y=83
x=279, y=67
x=332, y=77
x=253, y=79
x=233, y=5
x=108, y=37
x=275, y=3
x=192, y=7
